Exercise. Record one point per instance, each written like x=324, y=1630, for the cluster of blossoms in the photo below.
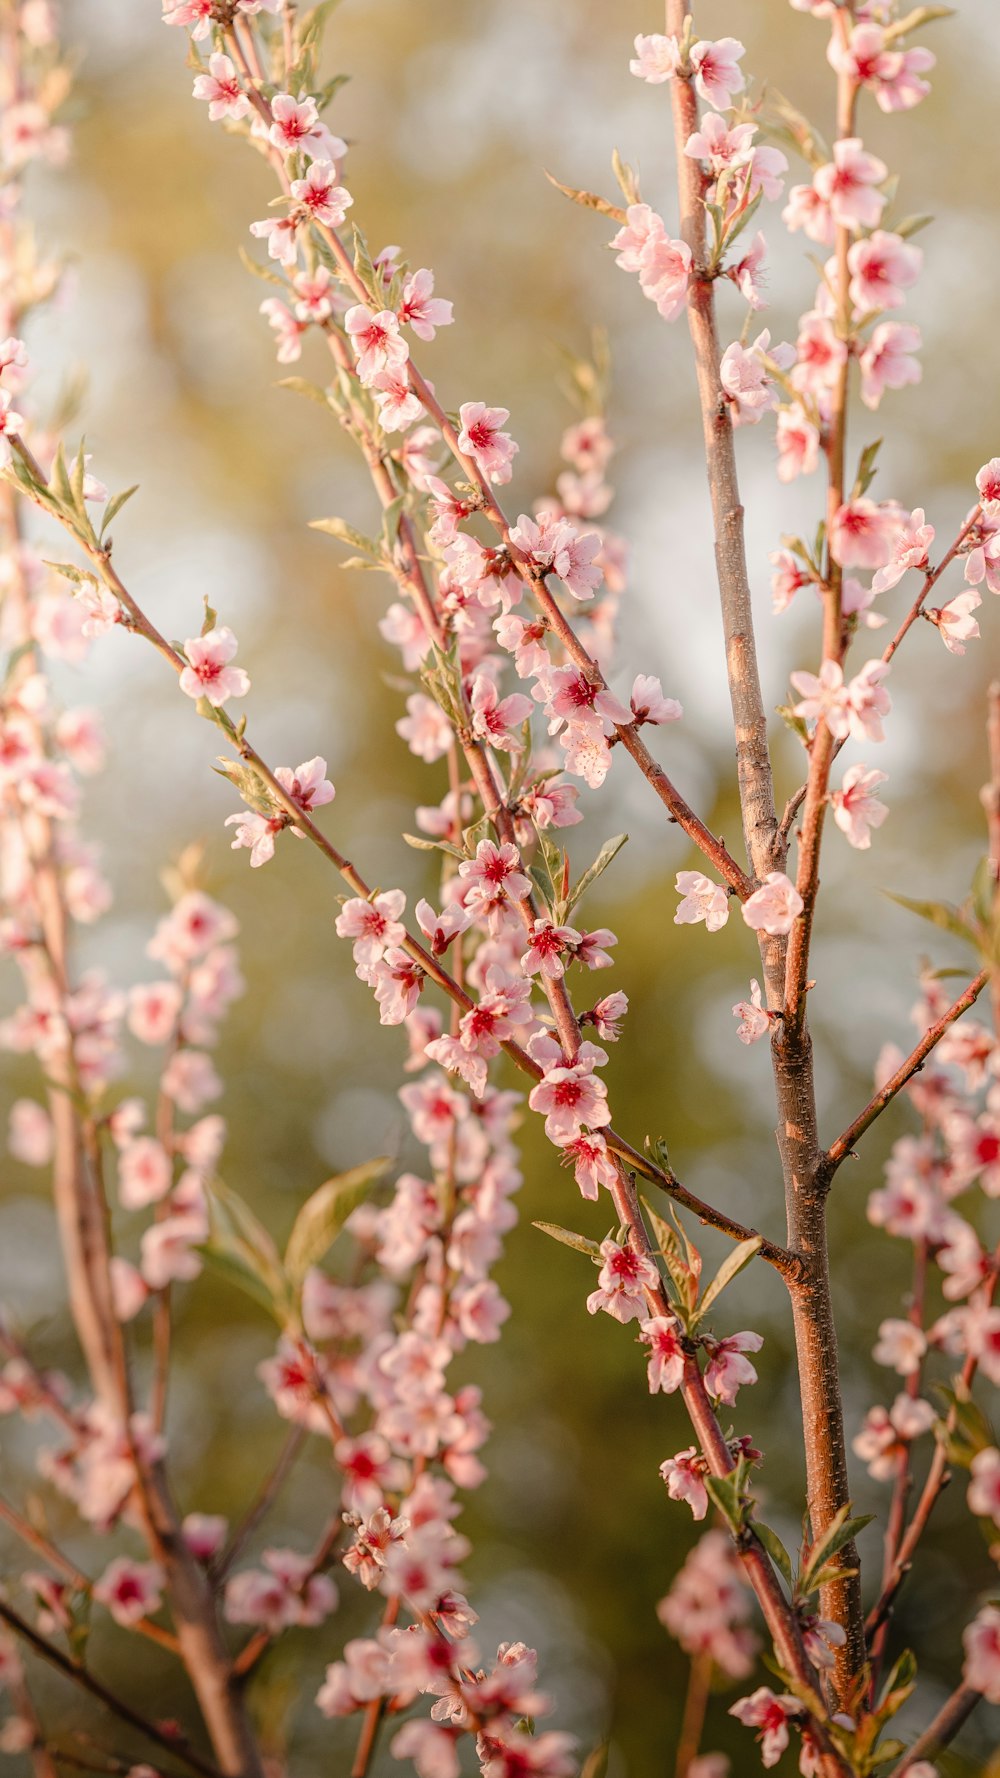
x=929, y=1199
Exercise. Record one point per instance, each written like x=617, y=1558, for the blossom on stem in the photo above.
x=319, y=193
x=621, y=1282
x=491, y=449
x=717, y=75
x=882, y=267
x=685, y=1478
x=771, y=1713
x=755, y=1020
x=648, y=703
x=702, y=900
x=887, y=361
x=954, y=622
x=222, y=90
x=856, y=808
x=863, y=533
x=664, y=266
x=374, y=926
x=910, y=549
x=571, y=1097
x=130, y=1590
x=420, y=309
x=774, y=907
x=727, y=1370
x=497, y=720
x=208, y=673
x=665, y=1365
x=377, y=342
x=849, y=185
x=981, y=1641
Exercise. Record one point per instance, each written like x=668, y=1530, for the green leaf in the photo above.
x=776, y=1550
x=115, y=505
x=911, y=225
x=581, y=1243
x=324, y=1214
x=866, y=469
x=240, y=1248
x=588, y=199
x=390, y=523
x=363, y=264
x=312, y=392
x=346, y=533
x=260, y=271
x=939, y=913
x=419, y=844
x=841, y=1529
x=626, y=176
x=730, y=1268
x=984, y=891
x=608, y=853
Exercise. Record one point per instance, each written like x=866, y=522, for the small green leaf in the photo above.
x=776, y=1550
x=840, y=1531
x=240, y=1248
x=115, y=505
x=626, y=176
x=939, y=913
x=608, y=853
x=346, y=533
x=419, y=844
x=866, y=469
x=324, y=1214
x=260, y=271
x=312, y=392
x=730, y=1268
x=916, y=20
x=581, y=1243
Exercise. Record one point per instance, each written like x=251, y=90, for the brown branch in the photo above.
x=82, y=1677
x=259, y=1508
x=839, y=1150
x=991, y=803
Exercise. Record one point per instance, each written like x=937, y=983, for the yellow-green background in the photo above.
x=452, y=112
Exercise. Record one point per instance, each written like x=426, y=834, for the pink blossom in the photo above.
x=771, y=1714
x=130, y=1590
x=191, y=1081
x=863, y=533
x=208, y=674
x=665, y=1365
x=848, y=184
x=716, y=74
x=606, y=1017
x=622, y=1281
x=886, y=1433
x=221, y=87
x=648, y=703
x=494, y=719
x=798, y=443
x=280, y=234
x=819, y=354
x=431, y=1746
x=954, y=622
x=374, y=925
x=887, y=361
x=398, y=406
x=571, y=1097
x=592, y=1164
x=494, y=876
x=153, y=1011
x=910, y=549
x=204, y=1534
x=547, y=946
x=664, y=265
x=981, y=1641
x=988, y=482
x=789, y=576
x=685, y=1479
x=657, y=58
x=755, y=1020
x=984, y=1485
x=481, y=437
x=806, y=209
x=882, y=267
x=774, y=907
x=868, y=701
x=746, y=384
x=420, y=309
x=397, y=981
x=145, y=1173
x=296, y=125
x=425, y=728
x=378, y=344
x=30, y=1137
x=727, y=1370
x=892, y=74
x=856, y=808
x=901, y=1345
x=702, y=900
x=319, y=193
x=559, y=548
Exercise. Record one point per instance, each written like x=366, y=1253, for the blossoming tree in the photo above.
x=504, y=621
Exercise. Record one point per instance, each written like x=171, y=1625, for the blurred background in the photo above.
x=453, y=110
